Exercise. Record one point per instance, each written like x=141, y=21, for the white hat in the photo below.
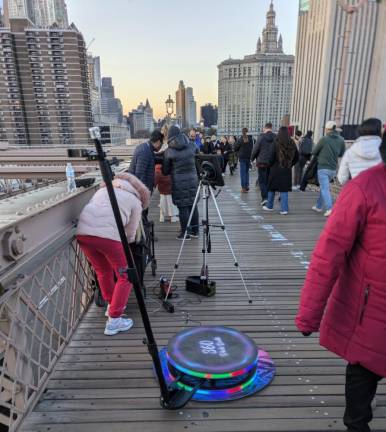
x=330, y=125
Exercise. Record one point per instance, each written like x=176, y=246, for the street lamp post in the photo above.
x=350, y=10
x=169, y=109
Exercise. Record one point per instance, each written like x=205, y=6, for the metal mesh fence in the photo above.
x=38, y=315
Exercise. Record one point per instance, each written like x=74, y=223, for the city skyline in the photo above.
x=147, y=60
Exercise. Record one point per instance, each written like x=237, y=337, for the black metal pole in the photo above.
x=132, y=271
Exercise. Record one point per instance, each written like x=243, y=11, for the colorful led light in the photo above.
x=210, y=375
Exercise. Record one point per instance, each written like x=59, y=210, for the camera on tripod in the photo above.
x=209, y=168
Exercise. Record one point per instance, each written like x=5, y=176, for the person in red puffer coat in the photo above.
x=344, y=295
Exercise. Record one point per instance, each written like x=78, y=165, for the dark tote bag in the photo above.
x=311, y=175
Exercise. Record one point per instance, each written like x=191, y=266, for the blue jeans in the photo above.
x=284, y=207
x=263, y=175
x=244, y=173
x=325, y=176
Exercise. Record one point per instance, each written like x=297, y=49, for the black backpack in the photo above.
x=306, y=146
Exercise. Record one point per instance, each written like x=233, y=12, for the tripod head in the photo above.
x=209, y=168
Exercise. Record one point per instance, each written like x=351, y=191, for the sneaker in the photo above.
x=244, y=190
x=328, y=213
x=174, y=219
x=317, y=209
x=194, y=235
x=117, y=325
x=284, y=213
x=267, y=209
x=264, y=202
x=181, y=237
x=107, y=311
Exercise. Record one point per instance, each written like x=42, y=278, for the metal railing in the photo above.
x=40, y=308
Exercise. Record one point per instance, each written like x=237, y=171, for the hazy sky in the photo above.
x=147, y=46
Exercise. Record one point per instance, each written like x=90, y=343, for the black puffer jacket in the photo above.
x=179, y=162
x=264, y=149
x=244, y=149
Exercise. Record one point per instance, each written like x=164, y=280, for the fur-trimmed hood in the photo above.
x=132, y=184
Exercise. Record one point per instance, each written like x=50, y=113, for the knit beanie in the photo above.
x=174, y=131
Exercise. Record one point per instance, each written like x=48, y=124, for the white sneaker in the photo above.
x=317, y=209
x=175, y=219
x=117, y=325
x=107, y=311
x=328, y=213
x=284, y=213
x=264, y=202
x=267, y=209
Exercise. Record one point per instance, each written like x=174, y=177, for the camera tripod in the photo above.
x=207, y=191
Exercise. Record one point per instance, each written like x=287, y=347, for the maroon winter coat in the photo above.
x=344, y=295
x=164, y=183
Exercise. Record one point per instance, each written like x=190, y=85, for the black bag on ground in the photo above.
x=311, y=175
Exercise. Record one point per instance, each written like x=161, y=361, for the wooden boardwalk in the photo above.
x=106, y=384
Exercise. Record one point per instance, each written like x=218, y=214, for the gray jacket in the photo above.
x=179, y=162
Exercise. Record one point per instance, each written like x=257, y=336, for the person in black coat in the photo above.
x=143, y=162
x=263, y=152
x=179, y=162
x=208, y=146
x=243, y=148
x=280, y=175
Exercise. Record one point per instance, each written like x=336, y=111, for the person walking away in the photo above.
x=364, y=153
x=164, y=184
x=297, y=176
x=263, y=153
x=98, y=238
x=306, y=146
x=179, y=162
x=329, y=149
x=280, y=175
x=344, y=294
x=243, y=148
x=143, y=162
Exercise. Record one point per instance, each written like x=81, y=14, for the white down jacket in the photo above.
x=362, y=155
x=97, y=218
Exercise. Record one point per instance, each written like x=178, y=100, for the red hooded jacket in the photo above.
x=344, y=295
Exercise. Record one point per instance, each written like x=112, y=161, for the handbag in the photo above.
x=310, y=175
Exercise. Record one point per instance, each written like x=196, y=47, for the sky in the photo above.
x=148, y=46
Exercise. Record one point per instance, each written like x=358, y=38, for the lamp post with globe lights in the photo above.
x=169, y=109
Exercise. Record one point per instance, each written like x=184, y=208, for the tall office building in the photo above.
x=190, y=108
x=181, y=104
x=44, y=91
x=258, y=88
x=209, y=115
x=141, y=120
x=111, y=107
x=41, y=13
x=319, y=48
x=95, y=81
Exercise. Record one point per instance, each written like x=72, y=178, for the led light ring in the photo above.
x=211, y=375
x=247, y=347
x=265, y=373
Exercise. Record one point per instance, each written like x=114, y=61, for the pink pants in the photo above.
x=108, y=258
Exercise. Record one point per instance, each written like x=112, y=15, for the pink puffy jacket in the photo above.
x=344, y=295
x=97, y=218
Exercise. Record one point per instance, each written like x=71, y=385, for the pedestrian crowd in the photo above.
x=344, y=294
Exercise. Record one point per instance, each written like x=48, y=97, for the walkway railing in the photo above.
x=39, y=312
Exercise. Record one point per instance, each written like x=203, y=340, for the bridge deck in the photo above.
x=106, y=383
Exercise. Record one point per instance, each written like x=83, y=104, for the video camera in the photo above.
x=209, y=168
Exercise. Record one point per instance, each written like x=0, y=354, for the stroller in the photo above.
x=144, y=254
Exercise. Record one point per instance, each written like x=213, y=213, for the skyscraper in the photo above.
x=141, y=120
x=258, y=88
x=42, y=13
x=44, y=92
x=190, y=108
x=95, y=80
x=318, y=62
x=111, y=107
x=209, y=115
x=181, y=104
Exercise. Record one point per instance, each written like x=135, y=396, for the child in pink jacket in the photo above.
x=98, y=237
